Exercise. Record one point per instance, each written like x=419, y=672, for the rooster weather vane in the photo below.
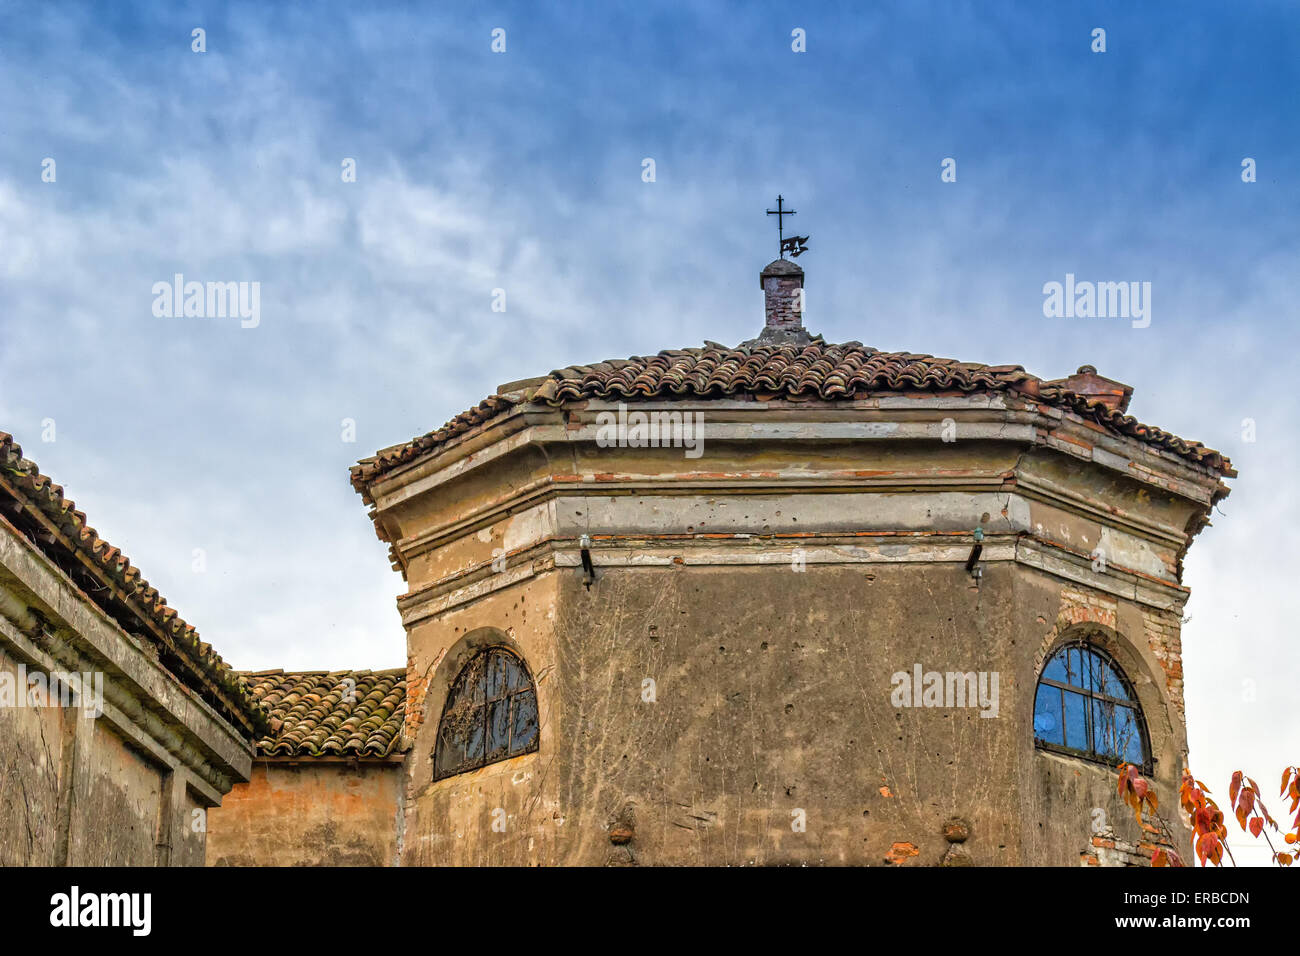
x=795, y=245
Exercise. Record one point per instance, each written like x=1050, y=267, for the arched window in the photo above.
x=491, y=714
x=1085, y=707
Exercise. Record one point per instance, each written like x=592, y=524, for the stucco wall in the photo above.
x=116, y=806
x=773, y=736
x=308, y=814
x=31, y=774
x=73, y=791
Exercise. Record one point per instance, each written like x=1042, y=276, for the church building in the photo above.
x=788, y=602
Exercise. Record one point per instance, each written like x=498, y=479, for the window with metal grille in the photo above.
x=1085, y=707
x=490, y=715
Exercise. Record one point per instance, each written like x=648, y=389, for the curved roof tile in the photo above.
x=816, y=370
x=331, y=714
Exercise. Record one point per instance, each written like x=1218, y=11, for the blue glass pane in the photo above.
x=496, y=676
x=1075, y=663
x=498, y=726
x=1128, y=734
x=1105, y=680
x=516, y=679
x=1103, y=729
x=474, y=737
x=1116, y=732
x=1048, y=726
x=1055, y=669
x=523, y=735
x=1076, y=721
x=1096, y=672
x=1114, y=686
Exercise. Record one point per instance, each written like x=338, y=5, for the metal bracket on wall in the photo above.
x=972, y=563
x=588, y=569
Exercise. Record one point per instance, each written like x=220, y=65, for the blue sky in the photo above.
x=522, y=171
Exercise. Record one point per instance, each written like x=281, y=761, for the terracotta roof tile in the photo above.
x=816, y=370
x=331, y=714
x=56, y=528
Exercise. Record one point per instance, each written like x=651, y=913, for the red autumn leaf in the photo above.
x=1234, y=788
x=1256, y=825
x=1214, y=849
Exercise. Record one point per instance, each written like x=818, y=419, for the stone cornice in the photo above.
x=889, y=417
x=555, y=487
x=568, y=461
x=777, y=550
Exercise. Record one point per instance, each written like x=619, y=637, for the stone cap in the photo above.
x=780, y=267
x=1087, y=382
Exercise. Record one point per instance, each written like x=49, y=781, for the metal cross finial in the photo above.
x=795, y=245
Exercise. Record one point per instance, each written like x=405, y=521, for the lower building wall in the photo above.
x=308, y=813
x=32, y=778
x=747, y=717
x=117, y=806
x=74, y=792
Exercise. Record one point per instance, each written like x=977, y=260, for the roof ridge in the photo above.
x=817, y=368
x=321, y=673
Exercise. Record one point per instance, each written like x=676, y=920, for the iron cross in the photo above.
x=795, y=245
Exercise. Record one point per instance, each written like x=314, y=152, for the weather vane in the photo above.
x=795, y=245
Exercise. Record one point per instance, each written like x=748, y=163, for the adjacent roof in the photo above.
x=36, y=506
x=331, y=714
x=815, y=370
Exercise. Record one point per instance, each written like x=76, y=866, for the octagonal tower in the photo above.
x=790, y=602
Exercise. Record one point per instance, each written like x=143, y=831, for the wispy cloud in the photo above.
x=522, y=172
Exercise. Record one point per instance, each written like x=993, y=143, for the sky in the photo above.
x=215, y=455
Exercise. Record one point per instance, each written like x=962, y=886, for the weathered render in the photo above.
x=326, y=786
x=119, y=729
x=719, y=691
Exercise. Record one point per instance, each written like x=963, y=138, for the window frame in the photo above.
x=1132, y=702
x=509, y=696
